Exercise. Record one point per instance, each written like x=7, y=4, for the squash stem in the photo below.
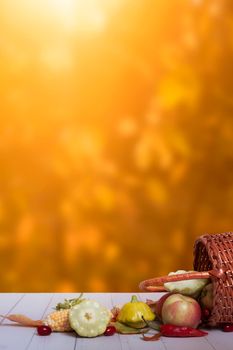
x=134, y=299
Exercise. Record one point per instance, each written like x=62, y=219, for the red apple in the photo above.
x=181, y=310
x=159, y=305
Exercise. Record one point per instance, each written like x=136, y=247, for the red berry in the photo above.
x=205, y=314
x=110, y=330
x=228, y=327
x=44, y=330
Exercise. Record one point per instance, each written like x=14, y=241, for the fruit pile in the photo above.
x=180, y=312
x=187, y=303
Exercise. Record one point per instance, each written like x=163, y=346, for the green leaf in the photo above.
x=123, y=329
x=69, y=303
x=153, y=325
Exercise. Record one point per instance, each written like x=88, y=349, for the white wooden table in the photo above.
x=37, y=305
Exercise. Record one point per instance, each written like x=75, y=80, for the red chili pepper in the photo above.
x=169, y=330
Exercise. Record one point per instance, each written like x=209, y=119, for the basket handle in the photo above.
x=156, y=284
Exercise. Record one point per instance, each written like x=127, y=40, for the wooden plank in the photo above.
x=134, y=342
x=36, y=306
x=99, y=343
x=55, y=340
x=13, y=336
x=8, y=301
x=70, y=340
x=118, y=299
x=186, y=343
x=220, y=340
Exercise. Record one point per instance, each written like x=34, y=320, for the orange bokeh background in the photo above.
x=116, y=135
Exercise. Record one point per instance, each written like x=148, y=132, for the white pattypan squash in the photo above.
x=187, y=287
x=89, y=318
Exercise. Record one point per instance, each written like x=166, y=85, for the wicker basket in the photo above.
x=213, y=258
